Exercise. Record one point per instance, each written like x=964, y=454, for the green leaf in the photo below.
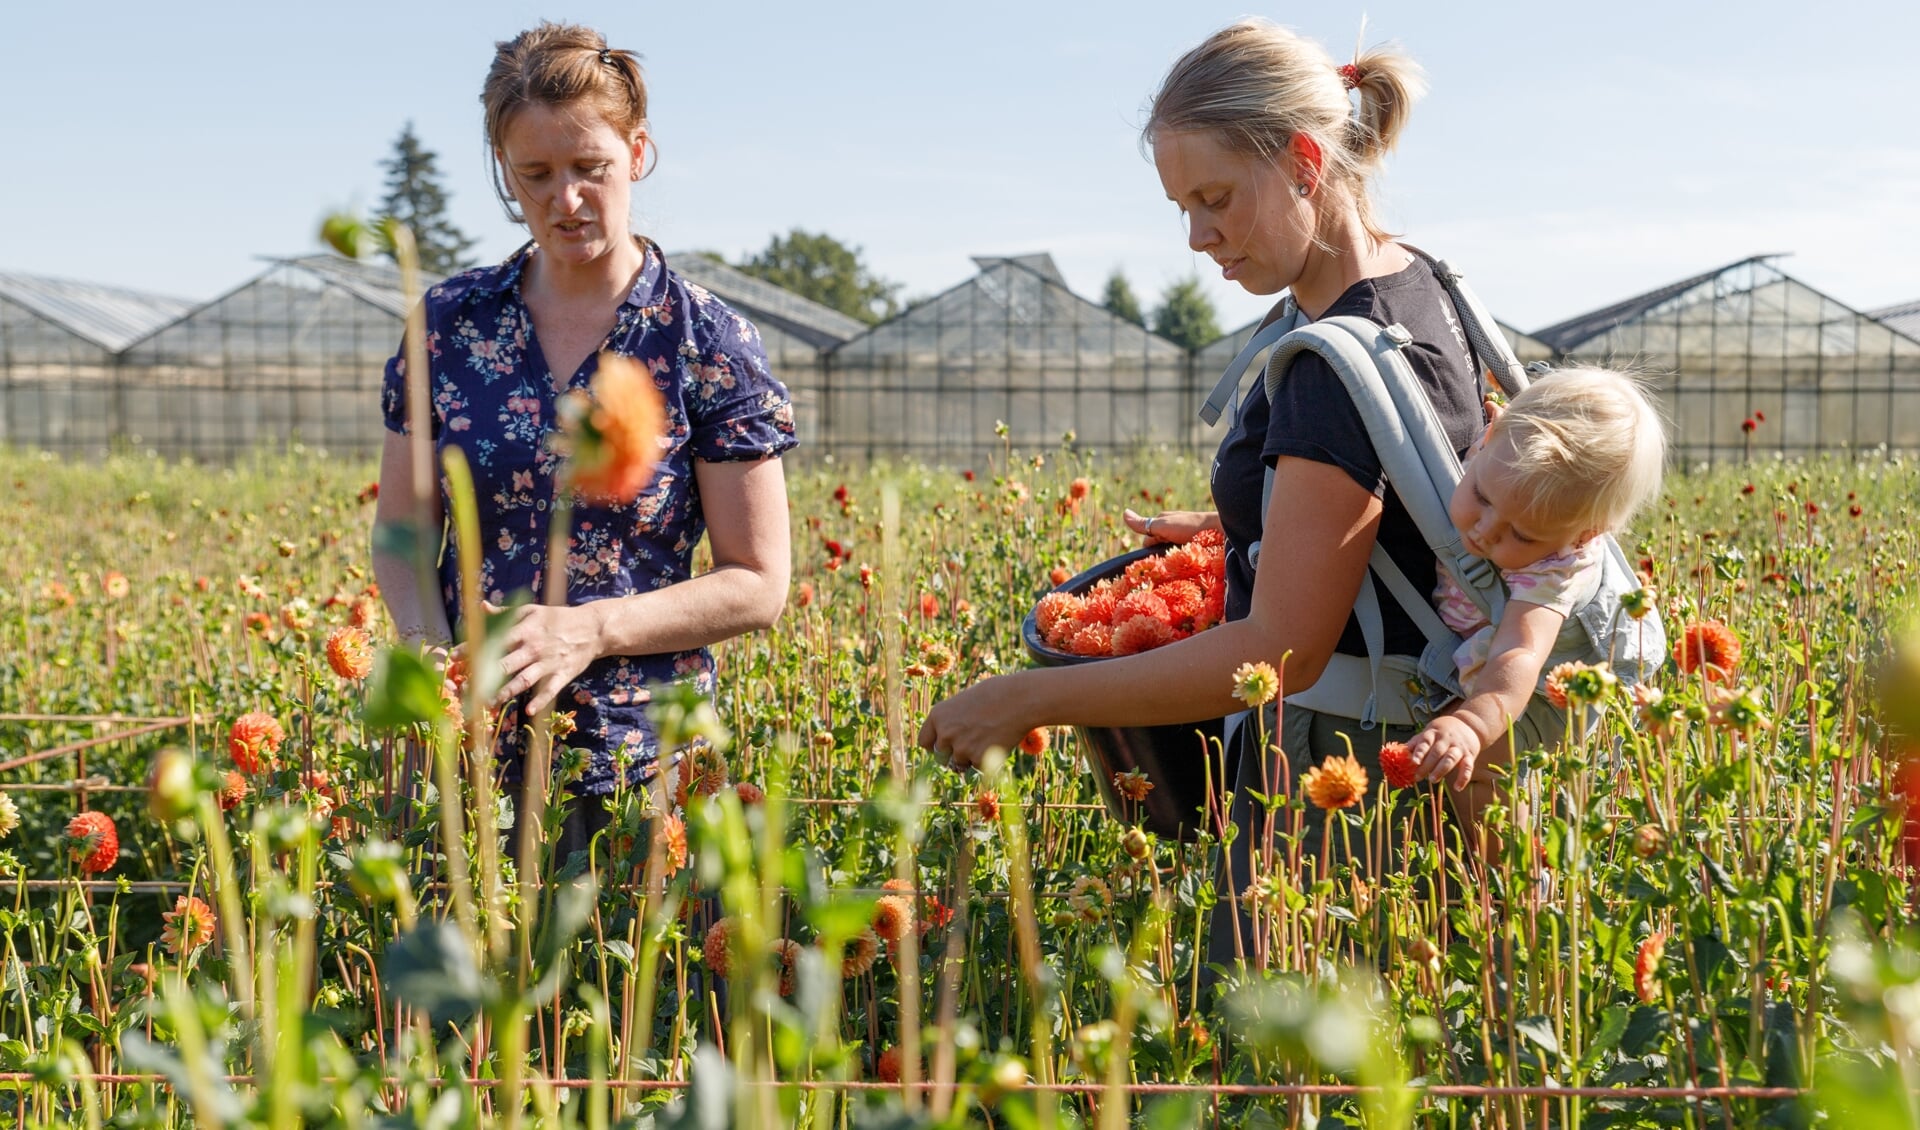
x=1173, y=1112
x=841, y=918
x=1613, y=1025
x=432, y=968
x=1539, y=1030
x=137, y=1053
x=404, y=691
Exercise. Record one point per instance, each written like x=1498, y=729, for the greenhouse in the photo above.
x=295, y=354
x=1902, y=317
x=1748, y=358
x=1014, y=346
x=61, y=385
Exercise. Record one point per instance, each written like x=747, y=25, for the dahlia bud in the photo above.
x=1422, y=951
x=171, y=794
x=1649, y=840
x=1135, y=844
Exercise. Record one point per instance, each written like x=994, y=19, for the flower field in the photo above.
x=253, y=880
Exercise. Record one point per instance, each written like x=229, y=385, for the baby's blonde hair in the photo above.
x=1585, y=444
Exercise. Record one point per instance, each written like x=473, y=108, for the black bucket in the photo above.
x=1173, y=757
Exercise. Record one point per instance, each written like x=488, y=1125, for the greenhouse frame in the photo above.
x=61, y=384
x=1746, y=358
x=1010, y=347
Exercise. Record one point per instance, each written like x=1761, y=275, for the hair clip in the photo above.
x=1350, y=75
x=606, y=57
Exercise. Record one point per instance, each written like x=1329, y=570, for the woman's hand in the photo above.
x=987, y=715
x=1171, y=526
x=546, y=648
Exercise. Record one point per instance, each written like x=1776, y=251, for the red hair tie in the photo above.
x=1350, y=75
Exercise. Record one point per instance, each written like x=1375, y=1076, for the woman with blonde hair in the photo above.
x=1268, y=147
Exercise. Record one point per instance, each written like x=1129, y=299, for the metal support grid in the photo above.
x=1223, y=1090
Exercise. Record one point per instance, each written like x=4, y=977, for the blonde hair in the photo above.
x=1584, y=444
x=559, y=65
x=1255, y=85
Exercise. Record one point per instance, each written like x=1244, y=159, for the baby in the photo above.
x=1572, y=458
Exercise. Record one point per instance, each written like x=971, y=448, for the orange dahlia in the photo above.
x=673, y=834
x=1396, y=765
x=1142, y=633
x=1092, y=639
x=892, y=917
x=887, y=1067
x=862, y=951
x=233, y=791
x=1133, y=784
x=1337, y=782
x=749, y=793
x=1035, y=743
x=1709, y=644
x=253, y=740
x=1646, y=967
x=986, y=805
x=350, y=653
x=1090, y=898
x=187, y=927
x=717, y=948
x=612, y=437
x=93, y=842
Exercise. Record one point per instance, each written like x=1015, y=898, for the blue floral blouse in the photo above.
x=492, y=396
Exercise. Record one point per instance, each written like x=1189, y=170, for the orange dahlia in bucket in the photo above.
x=93, y=842
x=612, y=436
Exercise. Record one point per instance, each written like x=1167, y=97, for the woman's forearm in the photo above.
x=1186, y=681
x=417, y=617
x=724, y=602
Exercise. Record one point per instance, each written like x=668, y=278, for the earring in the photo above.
x=1303, y=189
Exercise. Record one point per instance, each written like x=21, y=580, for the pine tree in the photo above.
x=822, y=268
x=1120, y=300
x=416, y=199
x=1185, y=315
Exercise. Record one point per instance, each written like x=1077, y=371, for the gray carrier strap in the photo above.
x=1414, y=450
x=1484, y=339
x=1229, y=382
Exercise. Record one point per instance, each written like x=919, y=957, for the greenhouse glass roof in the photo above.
x=1903, y=317
x=763, y=302
x=1745, y=275
x=108, y=316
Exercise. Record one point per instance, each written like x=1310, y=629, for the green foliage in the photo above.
x=1185, y=315
x=820, y=267
x=416, y=197
x=1120, y=300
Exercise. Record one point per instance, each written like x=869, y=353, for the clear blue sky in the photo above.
x=1566, y=157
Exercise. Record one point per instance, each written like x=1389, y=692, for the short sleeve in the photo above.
x=1312, y=417
x=736, y=410
x=1562, y=582
x=393, y=386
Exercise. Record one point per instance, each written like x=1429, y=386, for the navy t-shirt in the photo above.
x=1314, y=419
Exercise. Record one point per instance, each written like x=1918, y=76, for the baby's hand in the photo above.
x=1447, y=745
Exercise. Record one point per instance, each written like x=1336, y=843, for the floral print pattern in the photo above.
x=1561, y=581
x=493, y=396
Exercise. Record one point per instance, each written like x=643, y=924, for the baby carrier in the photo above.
x=1420, y=463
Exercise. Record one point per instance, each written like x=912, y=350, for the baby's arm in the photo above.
x=1452, y=742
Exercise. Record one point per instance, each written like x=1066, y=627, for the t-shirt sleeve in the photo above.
x=393, y=388
x=1312, y=417
x=736, y=409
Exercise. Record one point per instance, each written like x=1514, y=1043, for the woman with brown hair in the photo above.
x=566, y=121
x=1268, y=147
